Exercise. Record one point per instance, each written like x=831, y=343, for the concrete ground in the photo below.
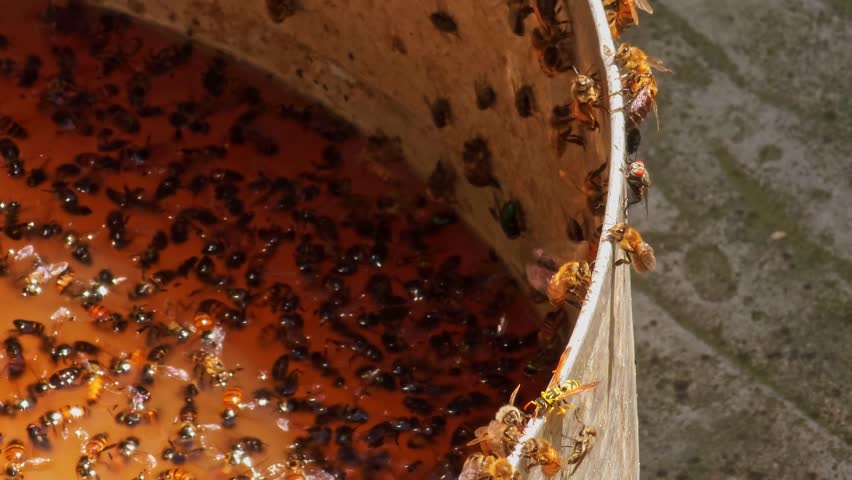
x=744, y=333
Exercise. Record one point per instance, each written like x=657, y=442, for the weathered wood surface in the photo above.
x=376, y=62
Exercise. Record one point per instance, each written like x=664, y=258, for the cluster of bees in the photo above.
x=503, y=434
x=552, y=42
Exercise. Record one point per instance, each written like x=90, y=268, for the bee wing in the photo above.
x=481, y=435
x=36, y=462
x=644, y=5
x=644, y=259
x=514, y=394
x=539, y=276
x=575, y=391
x=23, y=253
x=657, y=64
x=175, y=372
x=55, y=269
x=562, y=360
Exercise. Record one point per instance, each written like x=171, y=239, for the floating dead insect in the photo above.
x=280, y=10
x=17, y=460
x=586, y=96
x=485, y=94
x=442, y=113
x=519, y=10
x=593, y=188
x=639, y=253
x=622, y=14
x=510, y=216
x=476, y=160
x=12, y=128
x=525, y=103
x=562, y=125
x=638, y=183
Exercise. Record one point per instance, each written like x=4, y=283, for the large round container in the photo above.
x=378, y=64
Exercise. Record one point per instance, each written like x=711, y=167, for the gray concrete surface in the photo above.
x=743, y=338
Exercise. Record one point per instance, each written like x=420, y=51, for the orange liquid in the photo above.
x=460, y=364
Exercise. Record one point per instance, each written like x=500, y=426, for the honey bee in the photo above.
x=41, y=273
x=497, y=438
x=10, y=127
x=556, y=395
x=487, y=467
x=96, y=445
x=175, y=474
x=572, y=277
x=639, y=253
x=17, y=461
x=638, y=182
x=95, y=382
x=233, y=398
x=99, y=313
x=509, y=414
x=540, y=452
x=582, y=443
x=210, y=368
x=64, y=281
x=586, y=95
x=643, y=88
x=622, y=14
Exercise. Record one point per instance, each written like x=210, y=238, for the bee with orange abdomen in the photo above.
x=175, y=474
x=17, y=461
x=64, y=281
x=634, y=60
x=556, y=395
x=622, y=14
x=540, y=452
x=639, y=253
x=206, y=314
x=98, y=312
x=572, y=277
x=233, y=398
x=586, y=96
x=210, y=368
x=95, y=381
x=497, y=438
x=96, y=445
x=487, y=467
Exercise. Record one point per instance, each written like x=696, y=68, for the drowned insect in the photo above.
x=17, y=460
x=639, y=253
x=487, y=467
x=622, y=14
x=541, y=453
x=556, y=396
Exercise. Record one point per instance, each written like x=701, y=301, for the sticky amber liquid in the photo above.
x=451, y=341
